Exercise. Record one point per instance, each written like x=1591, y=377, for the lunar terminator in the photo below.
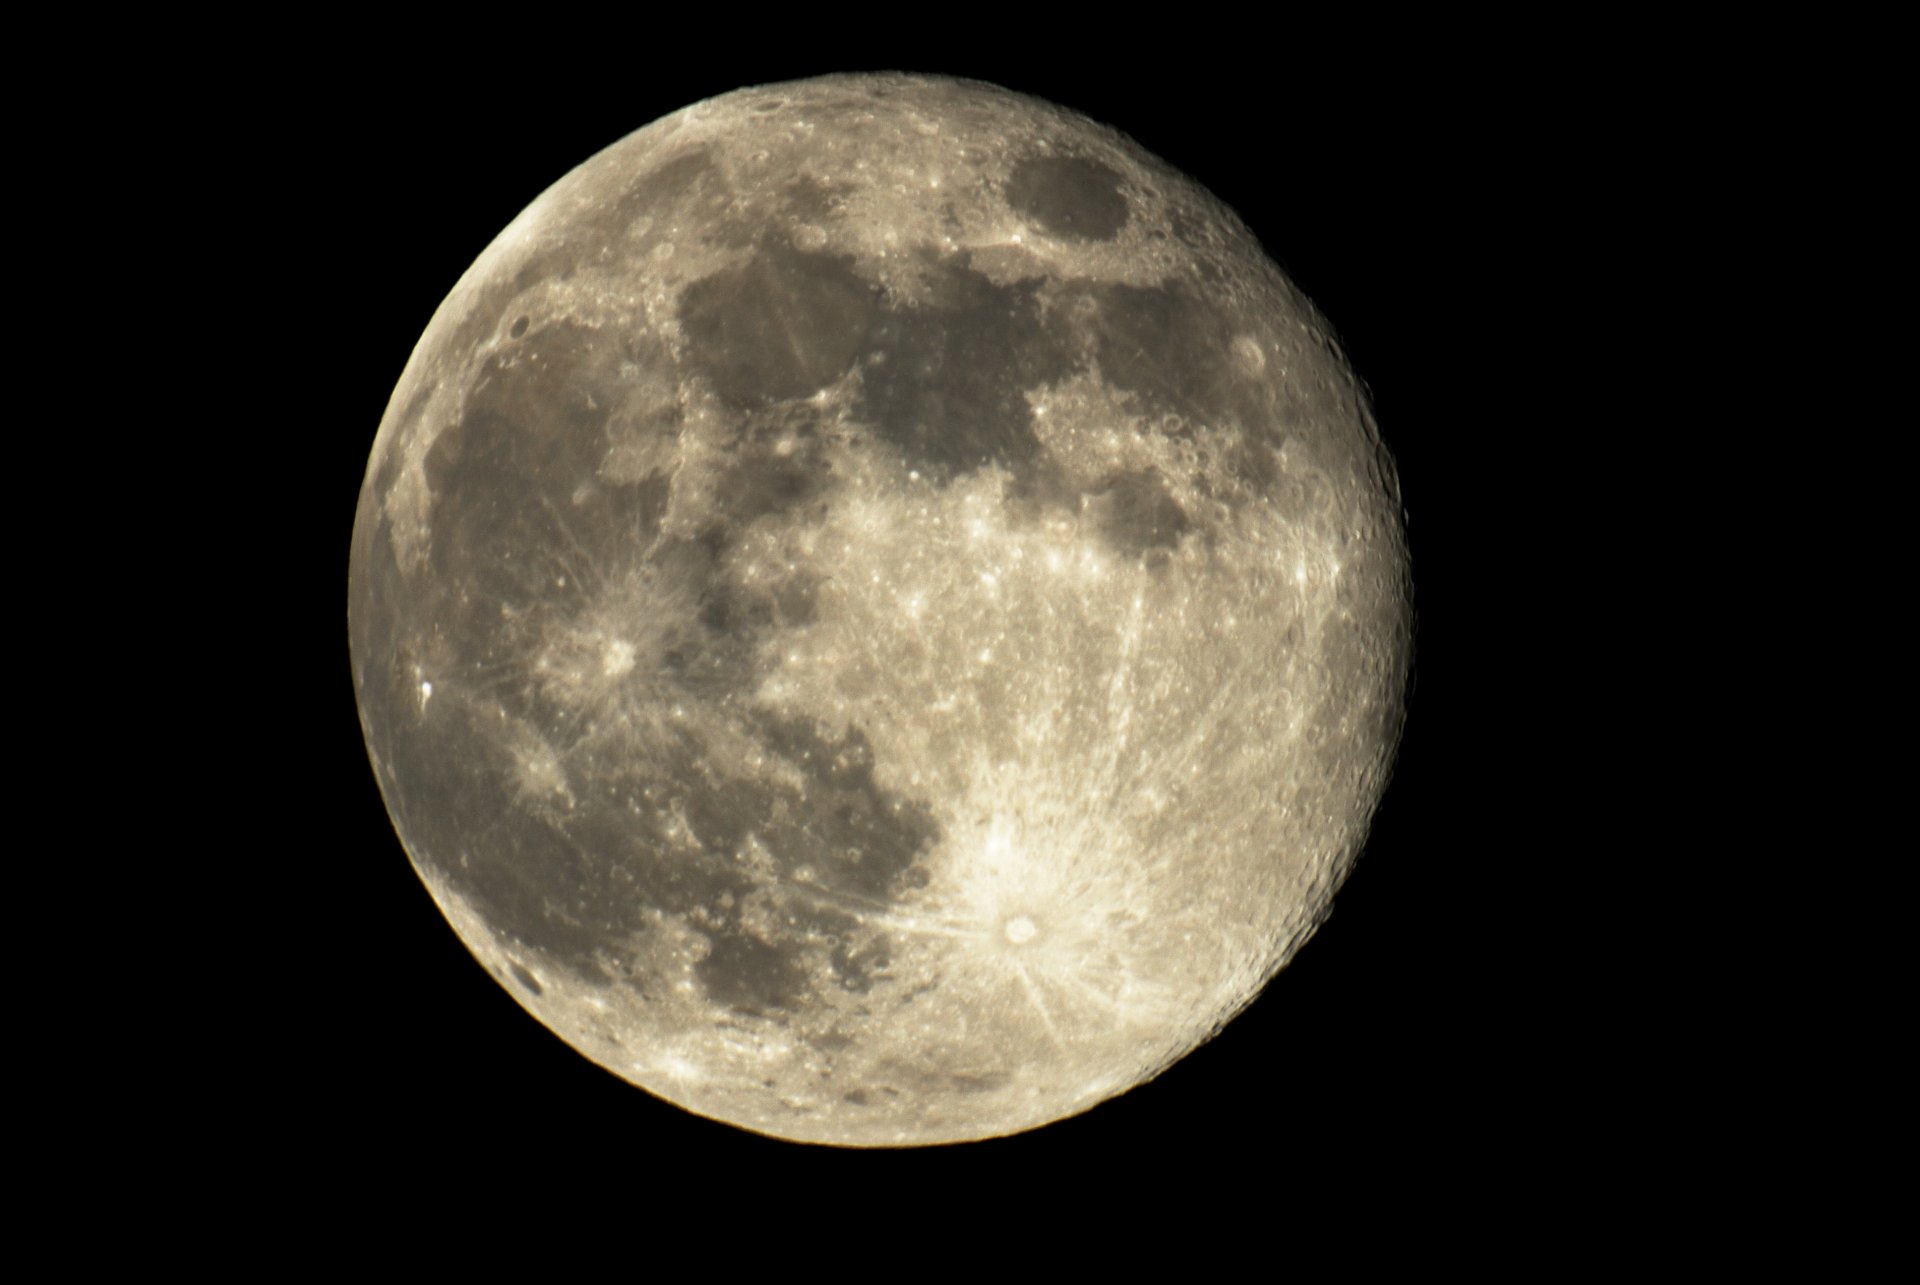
x=878, y=613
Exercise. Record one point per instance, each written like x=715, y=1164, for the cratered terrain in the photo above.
x=879, y=614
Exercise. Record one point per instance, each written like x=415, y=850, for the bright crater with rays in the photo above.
x=878, y=613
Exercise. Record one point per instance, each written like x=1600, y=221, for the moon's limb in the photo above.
x=878, y=612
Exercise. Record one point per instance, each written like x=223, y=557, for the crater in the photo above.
x=858, y=969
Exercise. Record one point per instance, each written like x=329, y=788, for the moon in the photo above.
x=878, y=613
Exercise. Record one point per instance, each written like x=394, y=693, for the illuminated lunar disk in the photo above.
x=878, y=613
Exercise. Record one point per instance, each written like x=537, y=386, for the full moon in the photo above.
x=879, y=614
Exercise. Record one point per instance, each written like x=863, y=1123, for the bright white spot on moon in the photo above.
x=673, y=1064
x=1020, y=929
x=619, y=659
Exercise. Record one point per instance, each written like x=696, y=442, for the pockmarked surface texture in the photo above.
x=878, y=613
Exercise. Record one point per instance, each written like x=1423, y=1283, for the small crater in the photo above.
x=1246, y=350
x=527, y=979
x=857, y=971
x=519, y=327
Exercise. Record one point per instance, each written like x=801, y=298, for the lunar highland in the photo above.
x=878, y=613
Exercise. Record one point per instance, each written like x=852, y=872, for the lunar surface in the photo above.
x=879, y=615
